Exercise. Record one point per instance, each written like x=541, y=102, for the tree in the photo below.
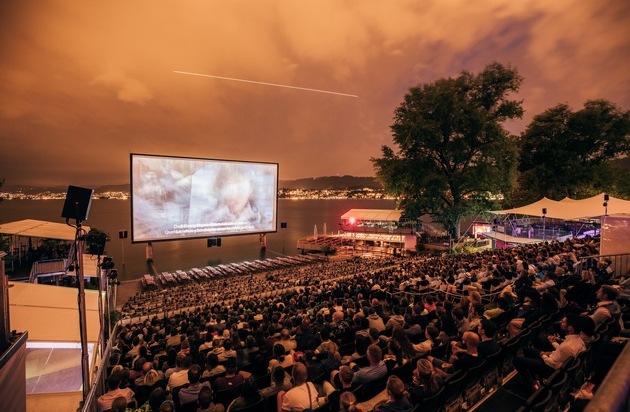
x=453, y=151
x=566, y=153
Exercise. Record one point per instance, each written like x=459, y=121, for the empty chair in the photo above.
x=453, y=388
x=373, y=388
x=538, y=400
x=432, y=403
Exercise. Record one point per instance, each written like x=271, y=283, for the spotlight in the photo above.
x=108, y=263
x=112, y=274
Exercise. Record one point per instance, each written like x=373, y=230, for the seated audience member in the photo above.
x=228, y=351
x=341, y=380
x=431, y=334
x=326, y=342
x=348, y=403
x=286, y=341
x=213, y=367
x=426, y=380
x=394, y=357
x=232, y=376
x=535, y=362
x=167, y=406
x=462, y=359
x=374, y=370
x=528, y=312
x=249, y=396
x=180, y=377
x=488, y=346
x=502, y=307
x=119, y=404
x=205, y=401
x=190, y=393
x=280, y=357
x=151, y=378
x=114, y=391
x=607, y=306
x=406, y=347
x=157, y=396
x=303, y=394
x=375, y=321
x=398, y=397
x=280, y=381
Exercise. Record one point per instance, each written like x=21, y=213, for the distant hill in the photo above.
x=331, y=182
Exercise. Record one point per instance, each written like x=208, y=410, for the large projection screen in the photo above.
x=174, y=198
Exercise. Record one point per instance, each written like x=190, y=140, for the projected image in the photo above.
x=177, y=198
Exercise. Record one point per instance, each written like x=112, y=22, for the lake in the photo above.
x=111, y=216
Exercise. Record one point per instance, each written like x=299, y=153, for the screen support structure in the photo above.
x=79, y=243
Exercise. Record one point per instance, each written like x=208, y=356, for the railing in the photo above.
x=415, y=295
x=614, y=392
x=53, y=267
x=620, y=263
x=98, y=385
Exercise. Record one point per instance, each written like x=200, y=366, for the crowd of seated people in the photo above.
x=345, y=334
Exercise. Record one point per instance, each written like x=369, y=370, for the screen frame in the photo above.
x=202, y=159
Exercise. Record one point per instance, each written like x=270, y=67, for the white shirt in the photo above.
x=571, y=347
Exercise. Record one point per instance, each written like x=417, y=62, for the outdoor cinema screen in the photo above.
x=175, y=198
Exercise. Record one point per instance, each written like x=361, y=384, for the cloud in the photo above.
x=103, y=72
x=127, y=89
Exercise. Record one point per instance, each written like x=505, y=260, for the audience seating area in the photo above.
x=327, y=314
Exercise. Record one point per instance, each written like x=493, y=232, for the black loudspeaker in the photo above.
x=122, y=234
x=606, y=197
x=544, y=210
x=77, y=204
x=283, y=225
x=214, y=241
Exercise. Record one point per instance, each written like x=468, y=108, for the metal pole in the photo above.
x=5, y=319
x=85, y=362
x=122, y=248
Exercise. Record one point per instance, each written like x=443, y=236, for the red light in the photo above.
x=352, y=221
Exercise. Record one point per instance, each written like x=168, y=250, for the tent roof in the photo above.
x=40, y=229
x=373, y=214
x=50, y=313
x=571, y=209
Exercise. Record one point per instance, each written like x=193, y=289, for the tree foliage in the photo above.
x=566, y=153
x=453, y=150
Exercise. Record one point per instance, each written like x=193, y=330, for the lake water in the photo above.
x=113, y=215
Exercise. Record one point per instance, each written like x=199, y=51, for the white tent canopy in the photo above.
x=571, y=209
x=373, y=214
x=40, y=229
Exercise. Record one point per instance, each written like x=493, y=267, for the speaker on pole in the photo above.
x=78, y=203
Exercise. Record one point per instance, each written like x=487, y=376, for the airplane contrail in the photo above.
x=265, y=83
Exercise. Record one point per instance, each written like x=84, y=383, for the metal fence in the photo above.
x=620, y=263
x=99, y=377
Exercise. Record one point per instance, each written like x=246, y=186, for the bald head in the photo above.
x=471, y=339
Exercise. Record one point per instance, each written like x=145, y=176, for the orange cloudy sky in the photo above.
x=84, y=83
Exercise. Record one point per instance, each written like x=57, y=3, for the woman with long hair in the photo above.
x=426, y=381
x=406, y=347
